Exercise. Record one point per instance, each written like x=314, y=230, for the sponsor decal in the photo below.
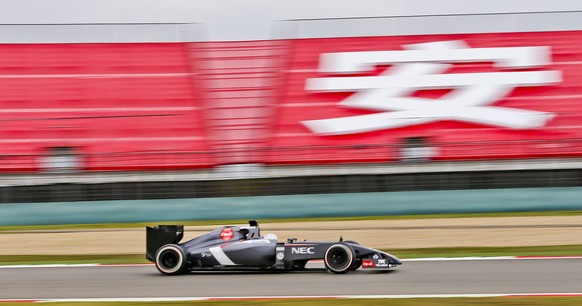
x=303, y=250
x=423, y=66
x=366, y=263
x=280, y=256
x=227, y=234
x=381, y=263
x=376, y=256
x=206, y=254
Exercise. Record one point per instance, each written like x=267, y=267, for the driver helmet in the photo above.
x=271, y=237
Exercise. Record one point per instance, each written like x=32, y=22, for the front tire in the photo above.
x=339, y=258
x=357, y=262
x=171, y=259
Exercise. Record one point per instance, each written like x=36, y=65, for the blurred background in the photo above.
x=183, y=99
x=364, y=114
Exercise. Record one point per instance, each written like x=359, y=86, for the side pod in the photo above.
x=160, y=235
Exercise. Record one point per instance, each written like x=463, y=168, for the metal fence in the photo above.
x=136, y=187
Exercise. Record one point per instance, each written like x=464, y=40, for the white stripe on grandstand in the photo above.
x=335, y=103
x=40, y=140
x=221, y=257
x=280, y=297
x=97, y=109
x=93, y=75
x=307, y=104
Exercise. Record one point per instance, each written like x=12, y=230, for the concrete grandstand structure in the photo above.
x=162, y=97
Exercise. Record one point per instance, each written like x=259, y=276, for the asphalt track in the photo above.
x=503, y=276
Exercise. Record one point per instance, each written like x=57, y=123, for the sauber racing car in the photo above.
x=243, y=247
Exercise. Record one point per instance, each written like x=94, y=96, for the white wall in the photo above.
x=254, y=19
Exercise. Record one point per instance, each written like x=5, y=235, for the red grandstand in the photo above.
x=138, y=106
x=121, y=106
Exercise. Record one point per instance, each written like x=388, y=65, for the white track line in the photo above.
x=315, y=261
x=461, y=258
x=242, y=298
x=492, y=258
x=49, y=266
x=73, y=265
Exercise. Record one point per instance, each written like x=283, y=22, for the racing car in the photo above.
x=243, y=247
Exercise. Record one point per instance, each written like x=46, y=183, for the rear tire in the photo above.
x=339, y=258
x=171, y=259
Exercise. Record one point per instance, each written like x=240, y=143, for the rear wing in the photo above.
x=160, y=235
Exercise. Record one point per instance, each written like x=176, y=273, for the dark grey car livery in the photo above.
x=242, y=247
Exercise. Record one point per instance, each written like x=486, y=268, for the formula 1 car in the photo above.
x=243, y=247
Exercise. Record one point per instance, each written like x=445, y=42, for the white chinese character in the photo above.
x=420, y=67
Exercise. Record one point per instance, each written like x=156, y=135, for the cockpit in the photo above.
x=250, y=232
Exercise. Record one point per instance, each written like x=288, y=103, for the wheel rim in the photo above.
x=338, y=258
x=169, y=259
